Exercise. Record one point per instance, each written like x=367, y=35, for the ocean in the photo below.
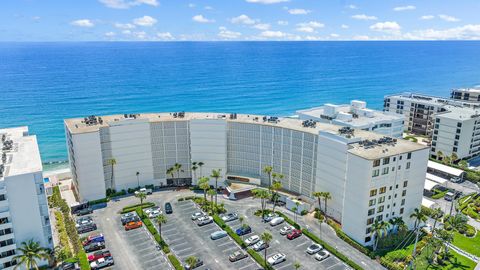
x=43, y=83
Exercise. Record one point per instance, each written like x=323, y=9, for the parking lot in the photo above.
x=295, y=250
x=186, y=239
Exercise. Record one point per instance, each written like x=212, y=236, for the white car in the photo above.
x=276, y=221
x=197, y=215
x=276, y=258
x=322, y=255
x=260, y=245
x=252, y=240
x=151, y=209
x=314, y=248
x=155, y=213
x=286, y=230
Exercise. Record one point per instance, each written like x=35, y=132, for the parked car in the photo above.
x=133, y=225
x=230, y=217
x=68, y=266
x=243, y=230
x=155, y=213
x=197, y=264
x=197, y=215
x=314, y=248
x=84, y=211
x=276, y=258
x=276, y=221
x=322, y=255
x=98, y=255
x=286, y=229
x=168, y=208
x=449, y=196
x=127, y=217
x=294, y=234
x=131, y=219
x=94, y=246
x=83, y=221
x=93, y=239
x=102, y=263
x=252, y=240
x=217, y=235
x=151, y=209
x=86, y=228
x=237, y=256
x=269, y=217
x=260, y=245
x=205, y=220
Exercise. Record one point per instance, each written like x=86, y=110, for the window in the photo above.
x=3, y=220
x=373, y=192
x=408, y=165
x=396, y=186
x=404, y=193
x=380, y=209
x=6, y=242
x=401, y=211
x=459, y=124
x=390, y=188
x=399, y=167
x=385, y=170
x=383, y=190
x=368, y=239
x=403, y=202
x=376, y=163
x=457, y=137
x=380, y=218
x=455, y=149
x=372, y=202
x=409, y=155
x=369, y=221
x=437, y=120
x=369, y=230
x=405, y=183
x=381, y=199
x=2, y=197
x=386, y=161
x=5, y=231
x=371, y=211
x=376, y=173
x=459, y=130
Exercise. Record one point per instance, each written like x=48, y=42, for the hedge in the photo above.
x=104, y=200
x=174, y=261
x=134, y=207
x=229, y=230
x=349, y=240
x=83, y=260
x=321, y=242
x=259, y=258
x=151, y=228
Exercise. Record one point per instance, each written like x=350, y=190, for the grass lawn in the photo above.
x=470, y=245
x=456, y=262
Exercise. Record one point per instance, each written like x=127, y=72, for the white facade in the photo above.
x=23, y=203
x=323, y=157
x=466, y=94
x=356, y=115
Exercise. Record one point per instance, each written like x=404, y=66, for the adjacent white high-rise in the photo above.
x=23, y=203
x=466, y=94
x=369, y=176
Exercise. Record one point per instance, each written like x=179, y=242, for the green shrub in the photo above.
x=230, y=232
x=174, y=261
x=134, y=207
x=83, y=260
x=470, y=232
x=180, y=199
x=304, y=212
x=104, y=200
x=258, y=258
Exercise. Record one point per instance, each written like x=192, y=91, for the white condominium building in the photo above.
x=368, y=175
x=466, y=94
x=419, y=110
x=23, y=203
x=456, y=130
x=356, y=115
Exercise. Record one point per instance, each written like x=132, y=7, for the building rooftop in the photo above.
x=460, y=113
x=475, y=89
x=355, y=114
x=19, y=152
x=355, y=137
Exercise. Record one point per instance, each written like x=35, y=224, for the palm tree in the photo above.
x=295, y=210
x=436, y=214
x=204, y=184
x=200, y=165
x=268, y=171
x=177, y=167
x=419, y=217
x=397, y=224
x=433, y=243
x=241, y=219
x=138, y=179
x=453, y=157
x=161, y=219
x=263, y=195
x=216, y=174
x=297, y=265
x=446, y=237
x=463, y=164
x=141, y=195
x=458, y=222
x=31, y=253
x=191, y=261
x=266, y=237
x=276, y=186
x=212, y=193
x=112, y=162
x=326, y=196
x=194, y=169
x=378, y=227
x=319, y=196
x=171, y=172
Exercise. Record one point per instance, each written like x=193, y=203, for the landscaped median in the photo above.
x=153, y=231
x=321, y=242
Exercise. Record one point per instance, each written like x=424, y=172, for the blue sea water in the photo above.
x=43, y=83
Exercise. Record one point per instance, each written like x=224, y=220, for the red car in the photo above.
x=98, y=255
x=294, y=234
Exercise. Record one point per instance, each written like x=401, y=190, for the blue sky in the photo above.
x=152, y=20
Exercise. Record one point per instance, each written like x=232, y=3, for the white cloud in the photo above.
x=309, y=27
x=145, y=21
x=427, y=17
x=364, y=17
x=273, y=34
x=361, y=37
x=282, y=23
x=352, y=7
x=448, y=18
x=110, y=34
x=126, y=32
x=201, y=19
x=36, y=18
x=242, y=19
x=83, y=23
x=466, y=32
x=313, y=38
x=165, y=36
x=267, y=2
x=299, y=11
x=123, y=4
x=227, y=34
x=262, y=26
x=124, y=25
x=404, y=8
x=140, y=35
x=344, y=26
x=333, y=35
x=389, y=27
x=191, y=5
x=208, y=8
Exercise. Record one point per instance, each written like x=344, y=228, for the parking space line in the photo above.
x=229, y=249
x=302, y=244
x=283, y=266
x=246, y=266
x=181, y=250
x=224, y=244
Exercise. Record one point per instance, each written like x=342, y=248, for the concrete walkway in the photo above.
x=464, y=253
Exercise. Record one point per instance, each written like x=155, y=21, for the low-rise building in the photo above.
x=466, y=94
x=356, y=115
x=23, y=203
